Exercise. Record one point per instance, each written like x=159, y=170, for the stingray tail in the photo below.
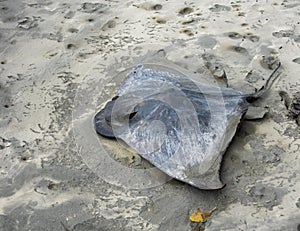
x=275, y=74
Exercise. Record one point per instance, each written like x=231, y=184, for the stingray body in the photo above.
x=181, y=126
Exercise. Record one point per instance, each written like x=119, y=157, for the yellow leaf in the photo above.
x=197, y=216
x=201, y=216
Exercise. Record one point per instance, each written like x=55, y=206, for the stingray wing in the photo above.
x=181, y=126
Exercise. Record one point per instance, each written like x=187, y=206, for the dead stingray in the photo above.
x=181, y=126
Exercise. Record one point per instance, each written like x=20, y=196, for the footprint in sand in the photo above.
x=250, y=36
x=89, y=7
x=73, y=30
x=185, y=10
x=187, y=32
x=28, y=23
x=69, y=15
x=149, y=6
x=238, y=49
x=159, y=20
x=234, y=35
x=71, y=46
x=269, y=62
x=219, y=8
x=109, y=25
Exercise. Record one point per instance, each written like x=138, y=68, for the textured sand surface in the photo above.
x=59, y=61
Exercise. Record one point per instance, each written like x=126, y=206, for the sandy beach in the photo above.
x=62, y=60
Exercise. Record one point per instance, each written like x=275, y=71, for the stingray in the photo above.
x=181, y=126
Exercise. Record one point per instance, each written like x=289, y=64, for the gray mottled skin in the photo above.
x=181, y=126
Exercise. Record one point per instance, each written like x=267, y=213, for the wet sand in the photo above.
x=56, y=56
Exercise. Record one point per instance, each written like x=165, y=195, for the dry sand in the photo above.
x=58, y=62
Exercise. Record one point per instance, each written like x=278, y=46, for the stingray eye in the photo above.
x=132, y=115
